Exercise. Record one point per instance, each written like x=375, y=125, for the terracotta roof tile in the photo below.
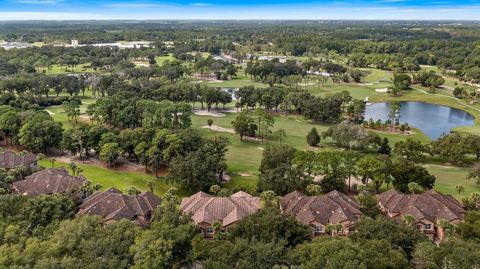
x=430, y=205
x=205, y=208
x=49, y=181
x=10, y=160
x=333, y=207
x=113, y=205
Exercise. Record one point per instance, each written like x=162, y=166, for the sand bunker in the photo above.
x=209, y=113
x=382, y=90
x=219, y=129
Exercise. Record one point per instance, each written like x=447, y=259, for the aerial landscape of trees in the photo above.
x=221, y=109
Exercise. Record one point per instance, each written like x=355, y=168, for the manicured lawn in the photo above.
x=161, y=59
x=448, y=177
x=60, y=116
x=240, y=81
x=61, y=69
x=246, y=156
x=119, y=179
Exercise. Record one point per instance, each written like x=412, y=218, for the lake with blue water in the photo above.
x=433, y=120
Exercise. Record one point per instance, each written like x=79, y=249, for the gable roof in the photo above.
x=113, y=205
x=333, y=207
x=205, y=208
x=48, y=181
x=430, y=205
x=10, y=159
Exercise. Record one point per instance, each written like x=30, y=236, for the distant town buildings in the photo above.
x=15, y=45
x=120, y=45
x=226, y=58
x=74, y=43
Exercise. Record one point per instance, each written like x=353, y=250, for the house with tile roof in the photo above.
x=205, y=209
x=334, y=209
x=10, y=160
x=49, y=181
x=112, y=205
x=427, y=208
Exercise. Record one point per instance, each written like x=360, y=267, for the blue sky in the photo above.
x=244, y=9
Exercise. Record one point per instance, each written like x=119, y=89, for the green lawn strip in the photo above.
x=161, y=59
x=449, y=176
x=119, y=179
x=60, y=116
x=62, y=69
x=238, y=181
x=239, y=81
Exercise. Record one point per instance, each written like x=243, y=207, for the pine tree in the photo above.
x=313, y=139
x=384, y=147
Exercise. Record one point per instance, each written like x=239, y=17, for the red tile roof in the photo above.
x=112, y=205
x=207, y=209
x=430, y=205
x=10, y=159
x=333, y=207
x=49, y=181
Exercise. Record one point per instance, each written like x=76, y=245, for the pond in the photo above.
x=433, y=120
x=231, y=91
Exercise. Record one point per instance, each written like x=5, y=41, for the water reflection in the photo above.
x=433, y=120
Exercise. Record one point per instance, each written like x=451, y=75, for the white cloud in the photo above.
x=201, y=4
x=38, y=2
x=391, y=1
x=17, y=15
x=136, y=5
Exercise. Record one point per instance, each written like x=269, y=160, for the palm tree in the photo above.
x=170, y=196
x=149, y=183
x=446, y=226
x=40, y=157
x=280, y=134
x=131, y=190
x=52, y=162
x=409, y=220
x=218, y=231
x=314, y=189
x=97, y=186
x=268, y=197
x=215, y=189
x=334, y=228
x=459, y=188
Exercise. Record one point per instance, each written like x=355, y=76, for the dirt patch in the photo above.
x=209, y=113
x=121, y=164
x=353, y=180
x=255, y=139
x=219, y=129
x=84, y=117
x=245, y=175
